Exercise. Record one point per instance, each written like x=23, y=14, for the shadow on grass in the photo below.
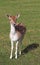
x=30, y=47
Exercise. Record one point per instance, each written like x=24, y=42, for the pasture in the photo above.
x=30, y=16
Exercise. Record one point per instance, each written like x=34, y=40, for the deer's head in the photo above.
x=13, y=19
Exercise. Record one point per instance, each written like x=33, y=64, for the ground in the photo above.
x=30, y=16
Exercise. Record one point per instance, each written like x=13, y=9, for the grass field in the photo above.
x=30, y=16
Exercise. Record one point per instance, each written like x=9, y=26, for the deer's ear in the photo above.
x=17, y=16
x=7, y=15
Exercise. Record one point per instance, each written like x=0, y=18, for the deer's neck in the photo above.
x=12, y=29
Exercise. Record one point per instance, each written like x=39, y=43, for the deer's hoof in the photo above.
x=15, y=57
x=10, y=57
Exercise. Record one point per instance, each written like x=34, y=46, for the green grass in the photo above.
x=30, y=16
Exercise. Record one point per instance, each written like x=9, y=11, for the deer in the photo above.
x=17, y=32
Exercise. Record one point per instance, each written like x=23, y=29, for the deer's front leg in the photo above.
x=16, y=50
x=11, y=49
